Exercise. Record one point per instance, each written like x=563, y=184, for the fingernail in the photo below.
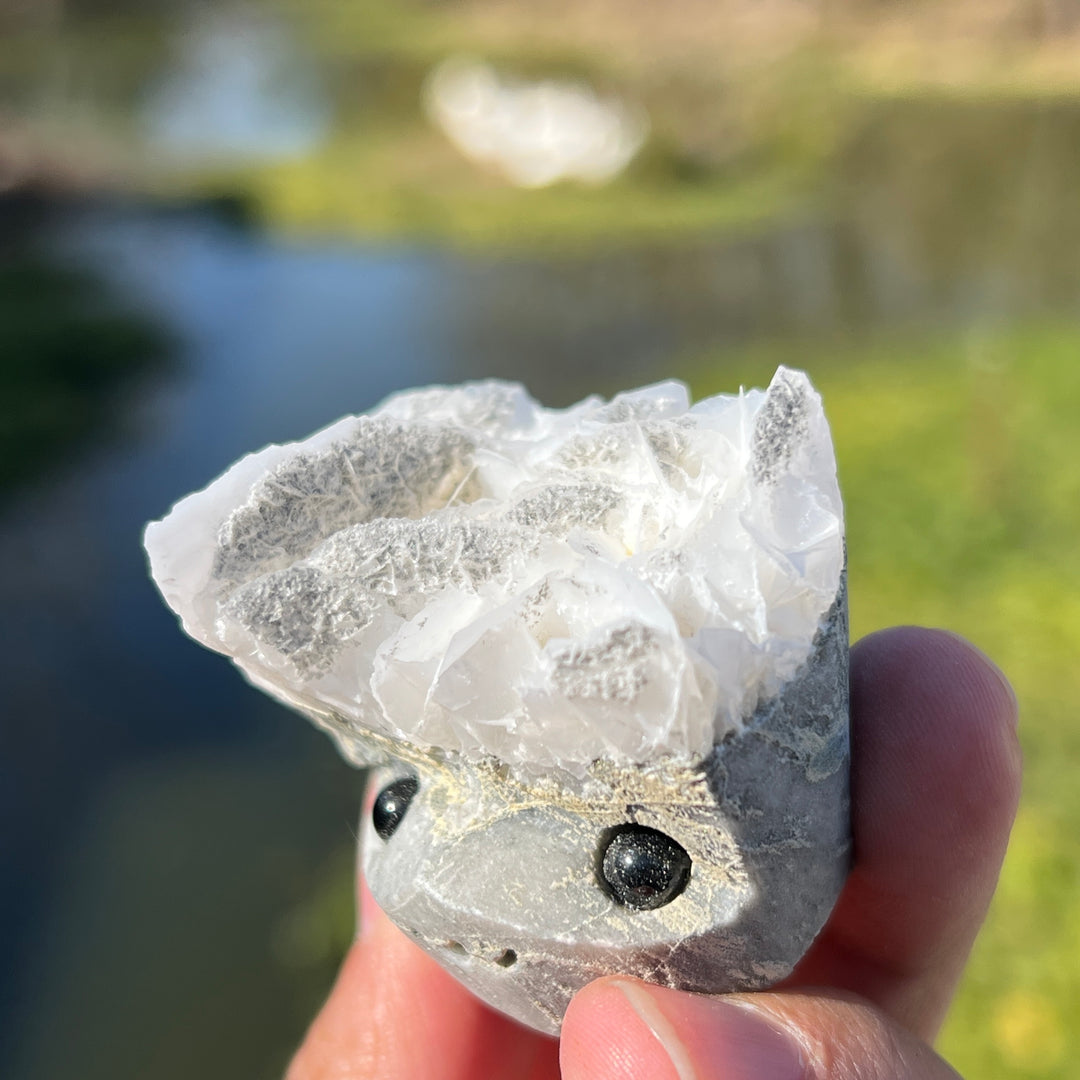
x=709, y=1038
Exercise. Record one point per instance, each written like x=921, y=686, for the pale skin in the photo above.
x=935, y=785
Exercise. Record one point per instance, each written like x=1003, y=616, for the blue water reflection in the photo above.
x=238, y=88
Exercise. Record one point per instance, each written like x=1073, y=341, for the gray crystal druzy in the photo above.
x=502, y=881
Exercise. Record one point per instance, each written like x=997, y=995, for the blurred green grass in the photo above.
x=959, y=460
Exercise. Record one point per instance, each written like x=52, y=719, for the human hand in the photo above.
x=935, y=783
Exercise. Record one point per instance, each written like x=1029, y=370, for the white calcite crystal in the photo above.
x=468, y=570
x=599, y=655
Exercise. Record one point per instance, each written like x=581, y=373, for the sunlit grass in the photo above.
x=323, y=197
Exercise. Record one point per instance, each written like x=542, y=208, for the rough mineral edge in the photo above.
x=466, y=570
x=764, y=819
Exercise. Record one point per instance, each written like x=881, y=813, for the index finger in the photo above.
x=935, y=785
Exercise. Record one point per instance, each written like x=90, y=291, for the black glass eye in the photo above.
x=642, y=868
x=391, y=804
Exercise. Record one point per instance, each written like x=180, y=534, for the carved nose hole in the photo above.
x=508, y=959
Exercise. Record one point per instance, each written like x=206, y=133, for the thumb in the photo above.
x=621, y=1029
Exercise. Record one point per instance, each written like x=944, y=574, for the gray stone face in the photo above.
x=599, y=656
x=502, y=882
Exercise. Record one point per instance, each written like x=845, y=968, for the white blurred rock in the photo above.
x=535, y=133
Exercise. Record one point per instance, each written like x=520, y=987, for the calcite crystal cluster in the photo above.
x=598, y=655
